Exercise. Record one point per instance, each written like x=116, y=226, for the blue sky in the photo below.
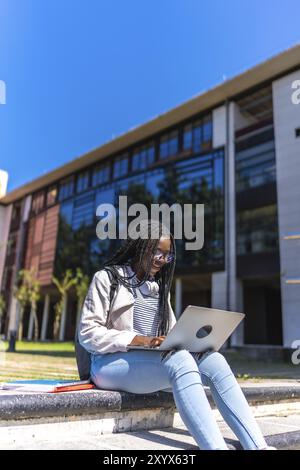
x=79, y=73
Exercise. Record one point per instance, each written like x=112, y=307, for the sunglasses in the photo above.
x=159, y=256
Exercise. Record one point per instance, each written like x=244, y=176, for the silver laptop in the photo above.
x=199, y=329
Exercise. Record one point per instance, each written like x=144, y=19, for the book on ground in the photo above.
x=48, y=386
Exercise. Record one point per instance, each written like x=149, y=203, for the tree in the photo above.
x=21, y=294
x=63, y=286
x=28, y=293
x=34, y=297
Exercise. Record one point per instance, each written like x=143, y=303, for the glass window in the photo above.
x=207, y=129
x=16, y=216
x=150, y=154
x=257, y=230
x=139, y=160
x=143, y=157
x=120, y=166
x=105, y=196
x=51, y=196
x=197, y=136
x=218, y=172
x=82, y=182
x=173, y=143
x=153, y=181
x=163, y=147
x=168, y=145
x=101, y=174
x=66, y=188
x=83, y=213
x=66, y=212
x=255, y=138
x=187, y=137
x=255, y=166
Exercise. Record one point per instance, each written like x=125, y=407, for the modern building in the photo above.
x=234, y=148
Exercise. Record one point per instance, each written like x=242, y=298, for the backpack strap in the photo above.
x=113, y=287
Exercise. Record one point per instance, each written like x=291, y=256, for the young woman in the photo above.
x=140, y=314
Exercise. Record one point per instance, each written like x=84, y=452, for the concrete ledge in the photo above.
x=16, y=406
x=27, y=406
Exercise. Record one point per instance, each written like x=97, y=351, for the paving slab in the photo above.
x=284, y=431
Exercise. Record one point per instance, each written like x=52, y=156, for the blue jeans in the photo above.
x=183, y=374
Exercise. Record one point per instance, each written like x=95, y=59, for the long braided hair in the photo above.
x=135, y=252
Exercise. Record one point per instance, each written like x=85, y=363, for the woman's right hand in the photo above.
x=147, y=341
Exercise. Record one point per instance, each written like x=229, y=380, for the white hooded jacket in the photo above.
x=105, y=328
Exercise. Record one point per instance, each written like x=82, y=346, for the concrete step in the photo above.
x=281, y=432
x=98, y=419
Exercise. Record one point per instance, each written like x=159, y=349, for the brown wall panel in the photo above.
x=41, y=244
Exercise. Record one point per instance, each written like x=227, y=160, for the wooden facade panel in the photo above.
x=50, y=234
x=39, y=229
x=45, y=277
x=46, y=257
x=35, y=263
x=41, y=244
x=48, y=249
x=48, y=246
x=36, y=249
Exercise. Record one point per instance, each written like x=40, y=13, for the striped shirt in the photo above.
x=145, y=313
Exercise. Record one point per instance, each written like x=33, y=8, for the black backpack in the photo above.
x=83, y=357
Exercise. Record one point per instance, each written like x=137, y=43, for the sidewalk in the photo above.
x=175, y=438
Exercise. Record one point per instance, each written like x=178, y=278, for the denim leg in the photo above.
x=230, y=400
x=191, y=400
x=146, y=372
x=133, y=371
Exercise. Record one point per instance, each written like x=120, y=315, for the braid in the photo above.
x=134, y=251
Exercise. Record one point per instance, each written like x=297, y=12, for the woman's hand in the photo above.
x=148, y=341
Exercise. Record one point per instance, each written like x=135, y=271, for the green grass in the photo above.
x=46, y=360
x=246, y=369
x=44, y=348
x=48, y=346
x=40, y=360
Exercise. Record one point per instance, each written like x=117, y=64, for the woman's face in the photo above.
x=163, y=248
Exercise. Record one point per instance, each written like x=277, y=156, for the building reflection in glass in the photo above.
x=196, y=180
